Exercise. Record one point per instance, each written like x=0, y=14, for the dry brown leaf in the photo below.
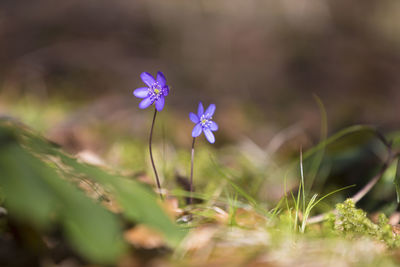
x=129, y=261
x=171, y=206
x=394, y=219
x=199, y=238
x=220, y=215
x=396, y=229
x=144, y=237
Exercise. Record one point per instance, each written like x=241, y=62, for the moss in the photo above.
x=353, y=222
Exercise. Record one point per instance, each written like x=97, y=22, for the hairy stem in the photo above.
x=151, y=154
x=191, y=172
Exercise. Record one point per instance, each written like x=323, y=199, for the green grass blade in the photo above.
x=397, y=180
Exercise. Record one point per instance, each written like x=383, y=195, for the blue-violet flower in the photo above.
x=156, y=91
x=203, y=122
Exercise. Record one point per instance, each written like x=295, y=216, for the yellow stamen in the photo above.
x=156, y=91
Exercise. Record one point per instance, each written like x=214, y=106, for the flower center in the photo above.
x=204, y=121
x=155, y=92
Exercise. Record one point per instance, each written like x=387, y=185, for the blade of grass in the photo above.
x=302, y=180
x=301, y=196
x=230, y=181
x=313, y=202
x=331, y=193
x=319, y=155
x=307, y=212
x=397, y=181
x=232, y=211
x=338, y=135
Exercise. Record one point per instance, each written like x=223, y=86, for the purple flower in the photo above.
x=204, y=123
x=156, y=91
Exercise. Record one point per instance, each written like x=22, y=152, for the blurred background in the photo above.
x=267, y=56
x=74, y=64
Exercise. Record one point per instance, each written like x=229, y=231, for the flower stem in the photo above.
x=151, y=154
x=191, y=172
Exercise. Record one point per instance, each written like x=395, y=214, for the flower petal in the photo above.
x=161, y=79
x=213, y=126
x=193, y=117
x=209, y=135
x=197, y=130
x=160, y=103
x=165, y=90
x=210, y=111
x=147, y=79
x=141, y=92
x=200, y=109
x=145, y=103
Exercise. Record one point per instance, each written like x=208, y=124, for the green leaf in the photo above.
x=138, y=202
x=37, y=178
x=34, y=193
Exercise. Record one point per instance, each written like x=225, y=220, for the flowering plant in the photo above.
x=155, y=92
x=204, y=123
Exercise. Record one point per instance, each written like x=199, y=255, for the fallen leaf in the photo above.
x=171, y=206
x=144, y=237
